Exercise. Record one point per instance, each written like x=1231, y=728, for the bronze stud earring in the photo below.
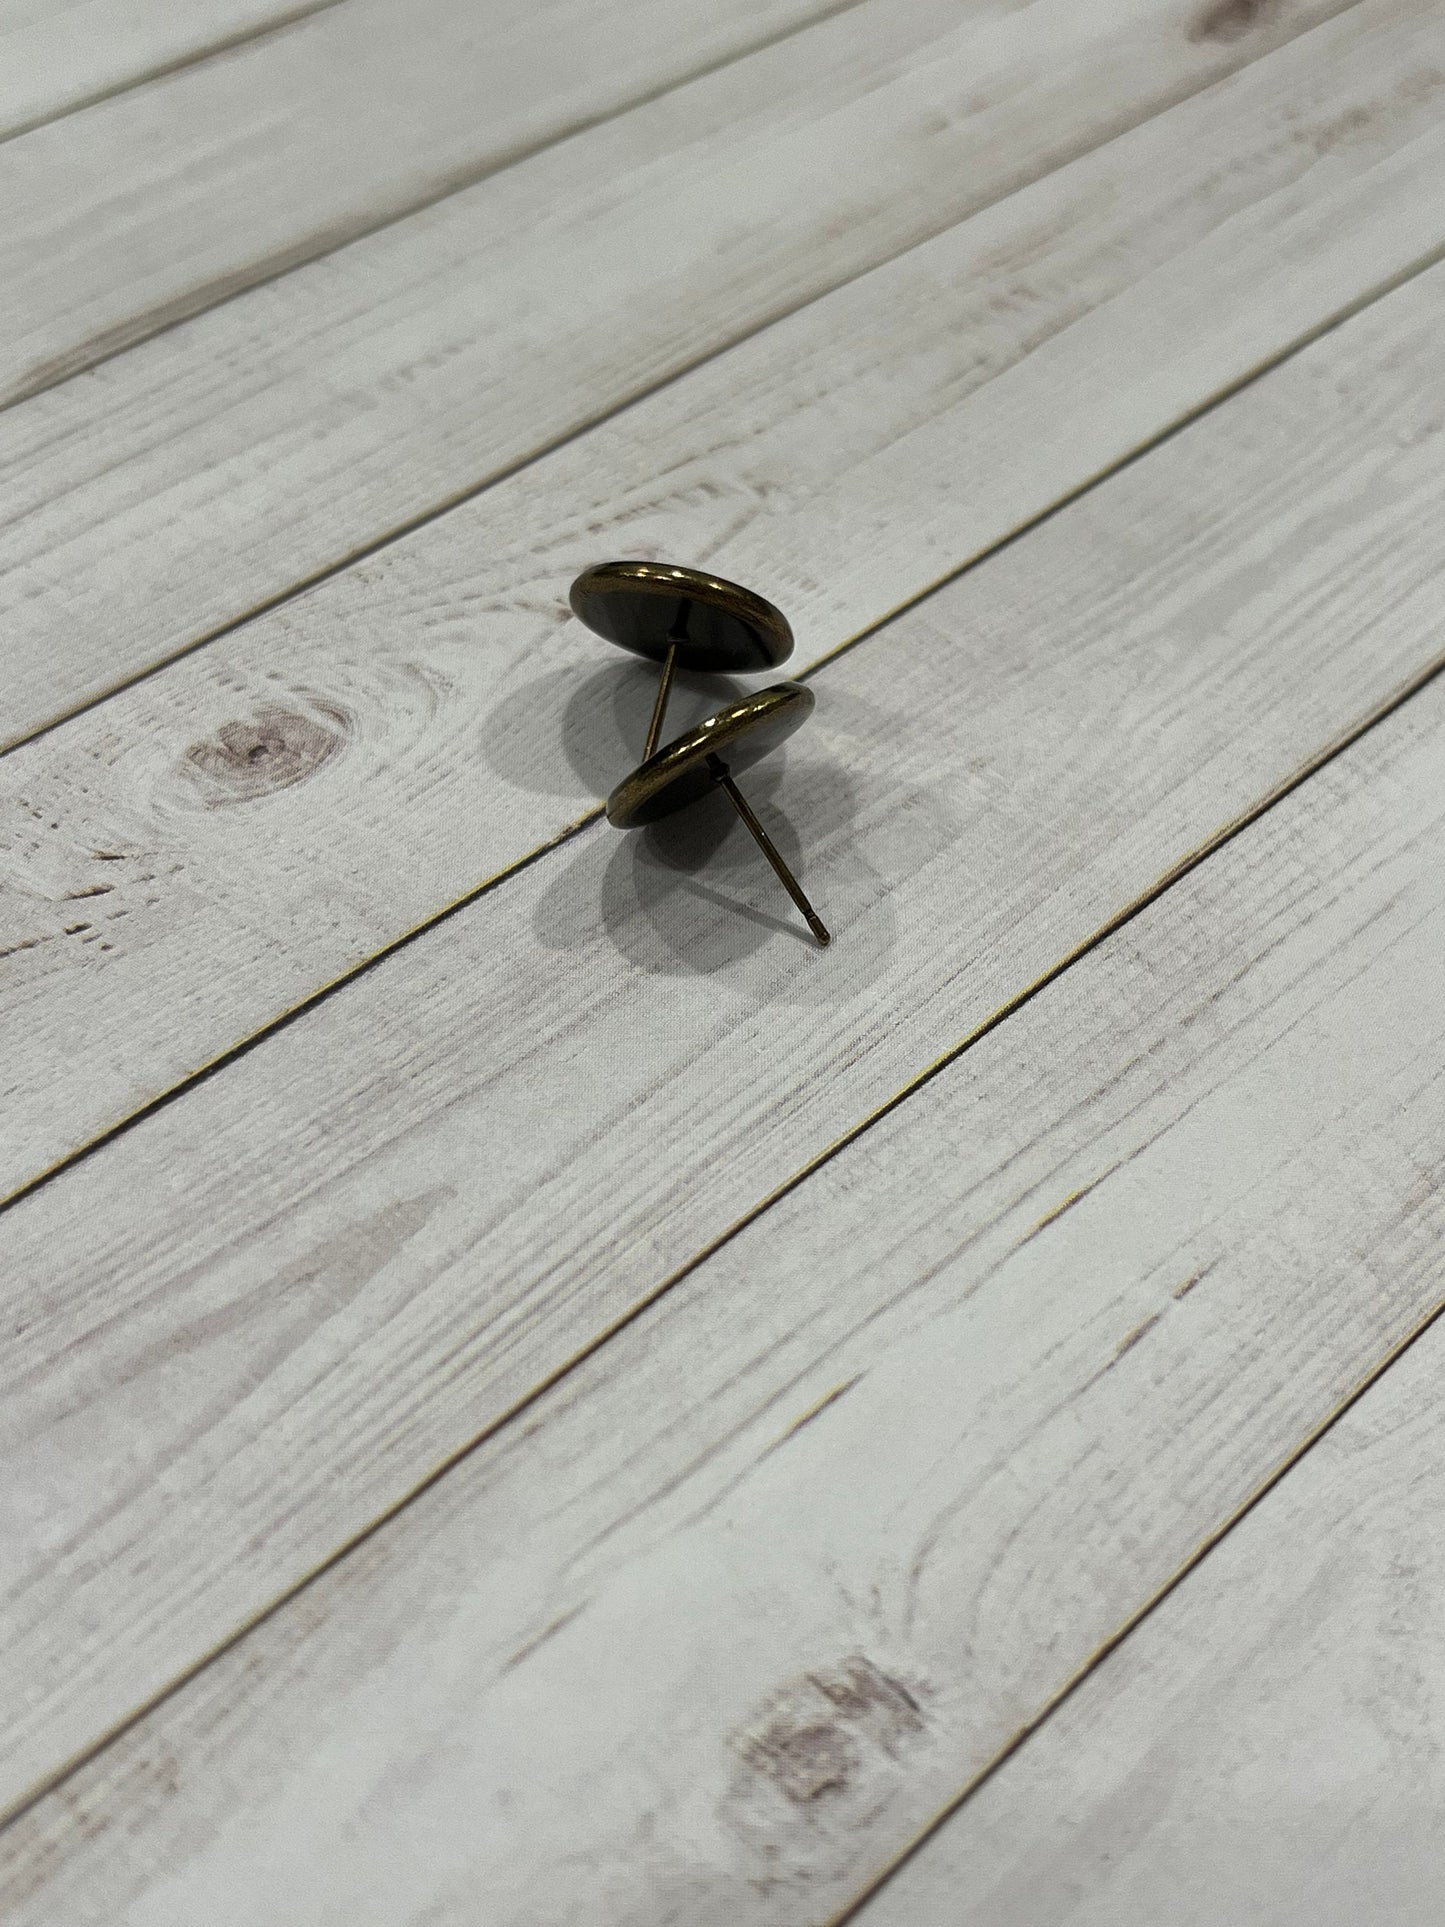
x=684, y=619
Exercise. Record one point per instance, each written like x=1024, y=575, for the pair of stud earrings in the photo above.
x=686, y=620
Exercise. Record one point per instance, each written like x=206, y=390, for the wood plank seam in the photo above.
x=245, y=1044
x=66, y=366
x=446, y=475
x=1306, y=339
x=1184, y=867
x=1136, y=1619
x=946, y=1787
x=754, y=502
x=375, y=545
x=458, y=498
x=228, y=43
x=414, y=931
x=1028, y=589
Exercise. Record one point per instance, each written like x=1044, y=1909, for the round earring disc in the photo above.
x=648, y=607
x=738, y=736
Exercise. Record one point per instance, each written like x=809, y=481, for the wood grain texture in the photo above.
x=57, y=55
x=253, y=1322
x=185, y=484
x=762, y=1583
x=1268, y=1745
x=154, y=205
x=207, y=849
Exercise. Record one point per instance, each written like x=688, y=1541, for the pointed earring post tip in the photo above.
x=765, y=843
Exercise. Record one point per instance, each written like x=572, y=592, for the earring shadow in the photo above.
x=603, y=728
x=703, y=855
x=694, y=896
x=521, y=742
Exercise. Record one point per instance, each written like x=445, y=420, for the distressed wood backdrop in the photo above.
x=531, y=1395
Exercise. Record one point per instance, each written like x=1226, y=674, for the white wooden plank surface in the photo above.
x=183, y=485
x=57, y=55
x=763, y=1582
x=1268, y=1746
x=272, y=811
x=158, y=203
x=255, y=1320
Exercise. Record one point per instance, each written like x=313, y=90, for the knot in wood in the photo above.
x=276, y=748
x=1231, y=19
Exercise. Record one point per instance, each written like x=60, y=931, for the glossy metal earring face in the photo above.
x=683, y=773
x=657, y=609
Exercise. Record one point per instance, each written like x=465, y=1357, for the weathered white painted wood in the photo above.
x=181, y=486
x=747, y=1596
x=166, y=199
x=57, y=55
x=273, y=810
x=251, y=1323
x=1268, y=1745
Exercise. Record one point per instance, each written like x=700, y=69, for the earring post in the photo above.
x=659, y=708
x=765, y=843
